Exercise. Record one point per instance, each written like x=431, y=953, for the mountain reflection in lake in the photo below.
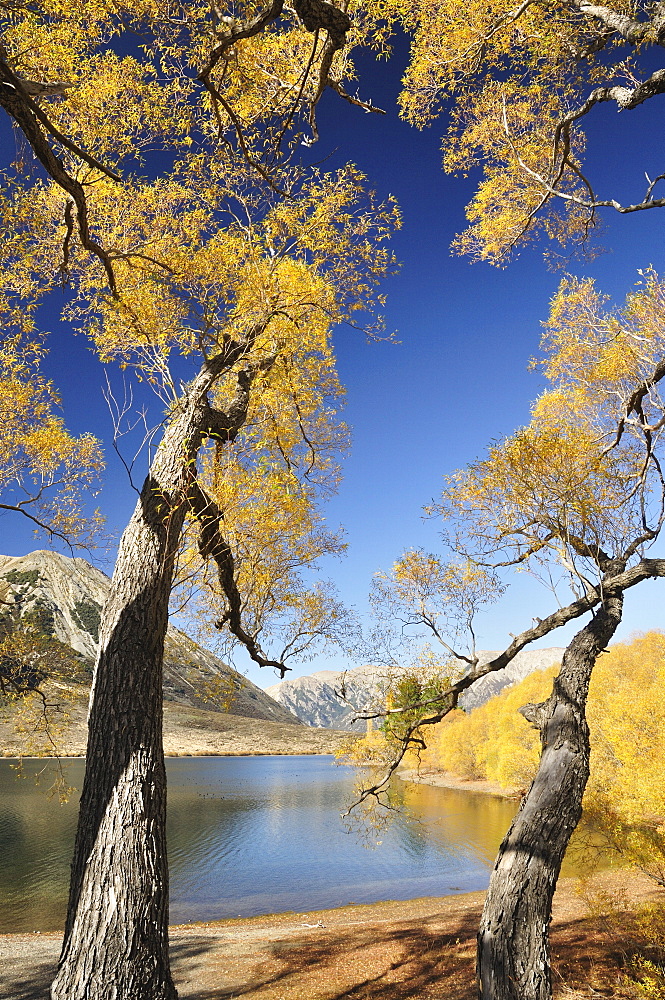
x=250, y=835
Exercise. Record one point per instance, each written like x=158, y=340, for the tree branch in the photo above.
x=611, y=587
x=634, y=403
x=16, y=107
x=247, y=30
x=27, y=90
x=633, y=31
x=212, y=545
x=42, y=525
x=315, y=15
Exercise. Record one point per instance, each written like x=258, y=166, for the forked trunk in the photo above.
x=513, y=940
x=116, y=936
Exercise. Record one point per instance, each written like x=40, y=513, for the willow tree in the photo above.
x=521, y=85
x=215, y=273
x=577, y=494
x=252, y=303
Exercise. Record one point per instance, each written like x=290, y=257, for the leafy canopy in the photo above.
x=219, y=251
x=582, y=483
x=517, y=82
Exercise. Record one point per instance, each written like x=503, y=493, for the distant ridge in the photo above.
x=66, y=597
x=316, y=698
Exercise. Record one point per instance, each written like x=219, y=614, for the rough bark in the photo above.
x=513, y=940
x=116, y=935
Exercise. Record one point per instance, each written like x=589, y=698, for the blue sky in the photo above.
x=457, y=380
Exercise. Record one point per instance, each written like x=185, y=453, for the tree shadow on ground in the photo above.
x=390, y=962
x=32, y=983
x=427, y=959
x=408, y=961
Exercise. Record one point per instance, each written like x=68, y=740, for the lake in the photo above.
x=251, y=835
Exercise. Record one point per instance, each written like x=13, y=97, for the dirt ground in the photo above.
x=445, y=779
x=421, y=949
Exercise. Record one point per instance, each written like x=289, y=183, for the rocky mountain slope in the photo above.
x=524, y=664
x=330, y=698
x=63, y=598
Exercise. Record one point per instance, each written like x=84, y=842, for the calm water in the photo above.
x=250, y=835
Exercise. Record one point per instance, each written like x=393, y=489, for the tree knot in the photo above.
x=536, y=714
x=317, y=14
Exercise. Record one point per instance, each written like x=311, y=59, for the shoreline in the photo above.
x=446, y=779
x=621, y=880
x=431, y=776
x=395, y=948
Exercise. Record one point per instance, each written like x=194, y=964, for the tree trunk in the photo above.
x=513, y=940
x=116, y=935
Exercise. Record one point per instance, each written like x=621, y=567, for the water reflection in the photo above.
x=254, y=835
x=458, y=821
x=36, y=842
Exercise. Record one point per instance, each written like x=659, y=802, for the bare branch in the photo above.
x=365, y=105
x=42, y=525
x=213, y=545
x=551, y=190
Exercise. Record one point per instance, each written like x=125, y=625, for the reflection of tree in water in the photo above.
x=259, y=826
x=462, y=821
x=422, y=817
x=473, y=822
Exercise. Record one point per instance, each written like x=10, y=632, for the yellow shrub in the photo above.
x=493, y=741
x=626, y=713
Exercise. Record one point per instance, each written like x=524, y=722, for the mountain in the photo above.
x=331, y=698
x=525, y=663
x=62, y=598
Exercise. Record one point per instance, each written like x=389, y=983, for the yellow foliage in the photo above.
x=372, y=750
x=493, y=741
x=626, y=713
x=40, y=722
x=44, y=471
x=507, y=77
x=220, y=691
x=579, y=479
x=209, y=257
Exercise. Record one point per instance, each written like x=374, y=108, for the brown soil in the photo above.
x=421, y=949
